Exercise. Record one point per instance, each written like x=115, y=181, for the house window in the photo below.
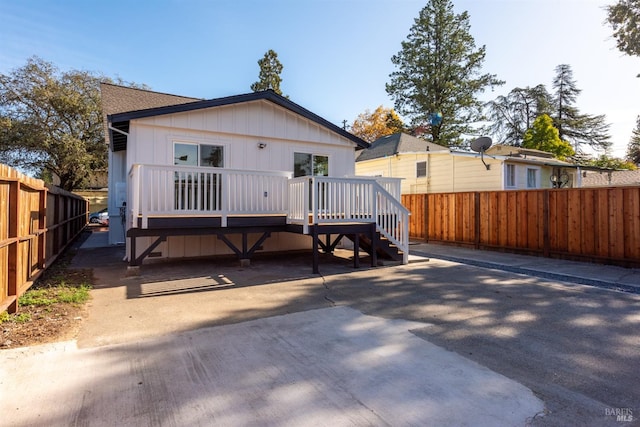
x=186, y=154
x=197, y=190
x=305, y=164
x=421, y=169
x=533, y=180
x=510, y=176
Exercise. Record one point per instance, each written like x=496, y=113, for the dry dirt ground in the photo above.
x=55, y=322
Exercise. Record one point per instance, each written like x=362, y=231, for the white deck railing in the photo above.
x=205, y=191
x=317, y=200
x=159, y=191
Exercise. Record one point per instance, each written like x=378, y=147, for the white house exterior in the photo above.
x=224, y=163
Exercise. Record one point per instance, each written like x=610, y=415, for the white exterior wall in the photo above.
x=239, y=128
x=117, y=181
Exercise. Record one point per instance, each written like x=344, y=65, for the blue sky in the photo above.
x=336, y=53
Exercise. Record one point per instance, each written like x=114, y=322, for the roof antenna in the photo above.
x=480, y=145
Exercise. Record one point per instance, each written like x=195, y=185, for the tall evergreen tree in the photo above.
x=269, y=77
x=633, y=149
x=513, y=114
x=437, y=77
x=574, y=127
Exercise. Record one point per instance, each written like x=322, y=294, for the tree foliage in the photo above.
x=372, y=125
x=513, y=114
x=438, y=71
x=269, y=77
x=604, y=161
x=51, y=122
x=544, y=136
x=624, y=19
x=633, y=149
x=573, y=126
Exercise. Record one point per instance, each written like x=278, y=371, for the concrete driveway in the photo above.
x=430, y=343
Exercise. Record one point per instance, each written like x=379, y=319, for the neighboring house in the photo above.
x=240, y=174
x=610, y=178
x=430, y=168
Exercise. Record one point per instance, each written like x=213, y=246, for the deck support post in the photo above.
x=137, y=261
x=246, y=253
x=316, y=256
x=356, y=250
x=374, y=245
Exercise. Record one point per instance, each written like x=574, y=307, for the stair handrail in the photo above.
x=394, y=224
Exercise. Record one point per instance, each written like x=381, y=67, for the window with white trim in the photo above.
x=533, y=178
x=510, y=176
x=305, y=164
x=191, y=154
x=421, y=169
x=197, y=190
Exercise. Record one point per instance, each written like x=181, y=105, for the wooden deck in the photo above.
x=186, y=201
x=325, y=236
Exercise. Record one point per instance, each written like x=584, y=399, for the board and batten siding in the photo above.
x=238, y=128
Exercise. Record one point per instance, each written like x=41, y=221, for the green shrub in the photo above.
x=18, y=317
x=74, y=295
x=51, y=295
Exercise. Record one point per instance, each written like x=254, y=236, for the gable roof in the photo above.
x=119, y=99
x=396, y=143
x=121, y=120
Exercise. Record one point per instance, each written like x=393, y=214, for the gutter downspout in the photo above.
x=111, y=128
x=579, y=178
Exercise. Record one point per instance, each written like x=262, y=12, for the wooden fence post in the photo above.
x=14, y=252
x=476, y=202
x=42, y=225
x=546, y=250
x=426, y=218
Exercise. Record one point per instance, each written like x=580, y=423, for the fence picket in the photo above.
x=37, y=222
x=591, y=224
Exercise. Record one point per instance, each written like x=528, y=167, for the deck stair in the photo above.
x=385, y=249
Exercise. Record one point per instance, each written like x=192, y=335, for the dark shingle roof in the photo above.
x=121, y=120
x=119, y=99
x=396, y=143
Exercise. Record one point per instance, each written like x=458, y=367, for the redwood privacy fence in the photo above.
x=589, y=224
x=37, y=222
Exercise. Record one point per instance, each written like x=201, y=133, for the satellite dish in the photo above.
x=480, y=145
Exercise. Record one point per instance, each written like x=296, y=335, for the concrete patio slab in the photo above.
x=332, y=366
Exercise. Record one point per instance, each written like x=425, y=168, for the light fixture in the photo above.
x=261, y=145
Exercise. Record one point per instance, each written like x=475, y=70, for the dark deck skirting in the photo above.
x=213, y=222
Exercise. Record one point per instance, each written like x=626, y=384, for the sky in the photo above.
x=336, y=53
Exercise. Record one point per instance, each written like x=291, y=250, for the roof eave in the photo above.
x=267, y=95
